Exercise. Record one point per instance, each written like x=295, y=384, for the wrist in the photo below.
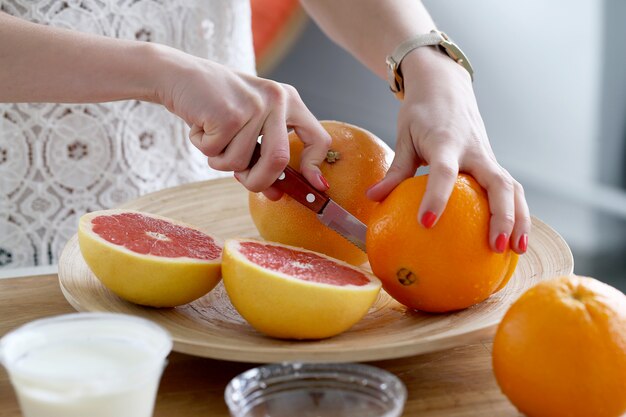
x=170, y=70
x=124, y=70
x=156, y=63
x=428, y=62
x=421, y=52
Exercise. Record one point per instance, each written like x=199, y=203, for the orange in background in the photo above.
x=560, y=350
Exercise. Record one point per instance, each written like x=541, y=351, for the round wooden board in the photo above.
x=211, y=327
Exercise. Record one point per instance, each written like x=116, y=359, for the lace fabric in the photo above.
x=58, y=161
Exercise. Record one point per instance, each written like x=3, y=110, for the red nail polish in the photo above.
x=523, y=242
x=428, y=219
x=326, y=184
x=502, y=241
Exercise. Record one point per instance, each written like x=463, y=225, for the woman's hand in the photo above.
x=439, y=125
x=228, y=111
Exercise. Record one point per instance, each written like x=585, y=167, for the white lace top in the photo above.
x=58, y=161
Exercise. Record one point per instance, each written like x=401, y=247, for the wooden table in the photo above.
x=451, y=383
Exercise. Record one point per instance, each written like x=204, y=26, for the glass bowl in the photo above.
x=315, y=390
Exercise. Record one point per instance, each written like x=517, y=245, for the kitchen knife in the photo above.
x=292, y=183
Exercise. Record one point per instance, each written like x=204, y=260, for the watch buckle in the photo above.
x=394, y=77
x=454, y=52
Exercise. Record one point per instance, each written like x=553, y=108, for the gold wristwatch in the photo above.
x=433, y=38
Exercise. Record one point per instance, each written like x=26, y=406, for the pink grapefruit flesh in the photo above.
x=153, y=236
x=294, y=293
x=306, y=266
x=149, y=259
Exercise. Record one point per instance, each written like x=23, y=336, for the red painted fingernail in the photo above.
x=502, y=241
x=326, y=184
x=428, y=219
x=523, y=242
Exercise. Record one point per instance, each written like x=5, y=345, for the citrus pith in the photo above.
x=148, y=259
x=293, y=293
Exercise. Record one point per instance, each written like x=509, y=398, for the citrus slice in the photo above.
x=293, y=293
x=149, y=259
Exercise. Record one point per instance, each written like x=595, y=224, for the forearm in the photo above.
x=370, y=29
x=45, y=64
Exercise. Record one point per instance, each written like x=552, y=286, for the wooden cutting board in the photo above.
x=211, y=327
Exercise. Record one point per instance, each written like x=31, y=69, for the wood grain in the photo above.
x=456, y=382
x=211, y=327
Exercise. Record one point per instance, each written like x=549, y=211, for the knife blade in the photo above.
x=331, y=214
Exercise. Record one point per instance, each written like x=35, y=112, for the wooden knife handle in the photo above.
x=291, y=182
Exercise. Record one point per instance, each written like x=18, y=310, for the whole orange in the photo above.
x=357, y=160
x=447, y=267
x=560, y=350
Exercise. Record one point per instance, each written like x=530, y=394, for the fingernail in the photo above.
x=428, y=219
x=324, y=181
x=502, y=241
x=523, y=242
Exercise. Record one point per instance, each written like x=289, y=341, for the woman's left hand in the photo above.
x=439, y=125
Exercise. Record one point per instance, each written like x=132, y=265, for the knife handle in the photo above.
x=292, y=183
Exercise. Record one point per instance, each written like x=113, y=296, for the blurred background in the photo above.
x=551, y=85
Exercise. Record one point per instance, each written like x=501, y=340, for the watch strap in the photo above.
x=427, y=39
x=433, y=38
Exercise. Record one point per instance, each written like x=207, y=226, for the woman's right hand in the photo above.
x=228, y=111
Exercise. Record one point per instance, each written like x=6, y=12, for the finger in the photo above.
x=500, y=191
x=405, y=163
x=274, y=153
x=315, y=138
x=443, y=173
x=211, y=143
x=521, y=230
x=195, y=135
x=236, y=157
x=273, y=194
x=316, y=146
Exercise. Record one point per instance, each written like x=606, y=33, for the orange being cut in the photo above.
x=357, y=160
x=448, y=267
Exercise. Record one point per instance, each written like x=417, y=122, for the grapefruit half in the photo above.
x=148, y=259
x=293, y=293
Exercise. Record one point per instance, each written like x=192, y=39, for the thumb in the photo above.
x=405, y=163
